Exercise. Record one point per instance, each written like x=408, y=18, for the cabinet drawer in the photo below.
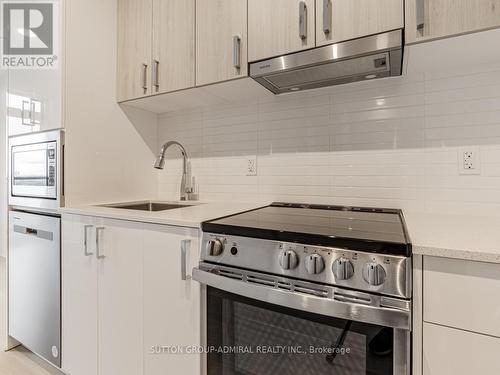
x=449, y=351
x=462, y=294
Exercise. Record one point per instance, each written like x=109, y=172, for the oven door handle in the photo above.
x=383, y=316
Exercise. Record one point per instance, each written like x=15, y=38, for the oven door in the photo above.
x=258, y=329
x=33, y=172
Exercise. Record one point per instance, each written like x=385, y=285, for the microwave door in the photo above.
x=33, y=171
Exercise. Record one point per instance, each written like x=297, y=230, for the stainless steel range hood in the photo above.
x=371, y=57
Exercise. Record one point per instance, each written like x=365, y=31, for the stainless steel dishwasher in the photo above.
x=35, y=283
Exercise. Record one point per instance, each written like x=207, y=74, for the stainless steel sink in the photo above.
x=148, y=206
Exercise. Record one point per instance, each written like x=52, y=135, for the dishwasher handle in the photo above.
x=42, y=234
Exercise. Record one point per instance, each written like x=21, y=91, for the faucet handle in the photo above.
x=191, y=190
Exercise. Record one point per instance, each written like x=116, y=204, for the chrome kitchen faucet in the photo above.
x=186, y=193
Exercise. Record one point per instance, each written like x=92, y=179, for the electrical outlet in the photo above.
x=252, y=165
x=469, y=160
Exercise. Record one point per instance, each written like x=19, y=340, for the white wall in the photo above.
x=391, y=143
x=109, y=156
x=3, y=164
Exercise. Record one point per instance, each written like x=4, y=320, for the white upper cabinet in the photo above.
x=430, y=19
x=173, y=45
x=279, y=27
x=221, y=40
x=339, y=20
x=135, y=18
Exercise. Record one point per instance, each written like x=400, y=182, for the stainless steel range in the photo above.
x=307, y=289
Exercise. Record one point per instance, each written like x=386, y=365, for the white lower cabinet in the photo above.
x=171, y=305
x=461, y=317
x=449, y=351
x=123, y=294
x=119, y=282
x=462, y=294
x=79, y=298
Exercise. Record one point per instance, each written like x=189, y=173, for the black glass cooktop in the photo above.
x=355, y=228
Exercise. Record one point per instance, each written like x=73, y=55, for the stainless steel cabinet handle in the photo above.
x=32, y=113
x=156, y=75
x=145, y=77
x=237, y=51
x=327, y=16
x=420, y=15
x=86, y=229
x=302, y=20
x=99, y=232
x=185, y=245
x=26, y=108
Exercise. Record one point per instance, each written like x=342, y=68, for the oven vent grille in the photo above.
x=274, y=282
x=313, y=291
x=297, y=286
x=260, y=280
x=231, y=274
x=284, y=285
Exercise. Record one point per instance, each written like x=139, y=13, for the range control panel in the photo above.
x=384, y=274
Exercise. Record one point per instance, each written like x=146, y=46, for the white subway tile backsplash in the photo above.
x=391, y=143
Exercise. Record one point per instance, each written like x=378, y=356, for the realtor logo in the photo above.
x=29, y=34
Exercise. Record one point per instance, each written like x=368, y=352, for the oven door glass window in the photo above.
x=248, y=337
x=34, y=171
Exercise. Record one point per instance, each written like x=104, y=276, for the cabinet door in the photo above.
x=453, y=285
x=119, y=248
x=450, y=351
x=135, y=25
x=428, y=19
x=339, y=20
x=221, y=40
x=279, y=27
x=79, y=296
x=173, y=45
x=171, y=305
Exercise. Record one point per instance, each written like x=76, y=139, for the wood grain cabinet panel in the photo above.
x=221, y=34
x=274, y=28
x=173, y=45
x=350, y=19
x=135, y=18
x=430, y=19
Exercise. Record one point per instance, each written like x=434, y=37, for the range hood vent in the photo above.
x=371, y=57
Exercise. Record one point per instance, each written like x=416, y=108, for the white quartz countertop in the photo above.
x=444, y=235
x=191, y=216
x=455, y=236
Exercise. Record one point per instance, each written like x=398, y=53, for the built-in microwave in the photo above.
x=36, y=170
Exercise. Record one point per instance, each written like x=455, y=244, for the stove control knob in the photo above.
x=314, y=264
x=215, y=247
x=288, y=259
x=343, y=269
x=374, y=274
